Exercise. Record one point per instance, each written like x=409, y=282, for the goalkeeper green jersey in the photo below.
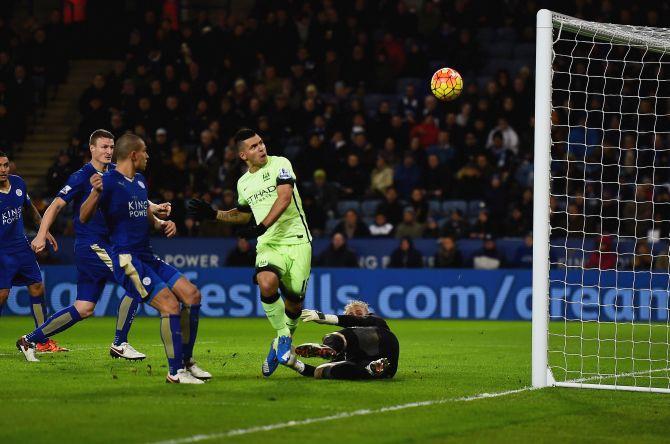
x=258, y=191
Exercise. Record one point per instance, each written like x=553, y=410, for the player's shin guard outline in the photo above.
x=125, y=317
x=38, y=308
x=59, y=321
x=171, y=336
x=189, y=319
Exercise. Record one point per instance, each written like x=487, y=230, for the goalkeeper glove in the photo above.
x=253, y=231
x=200, y=210
x=318, y=316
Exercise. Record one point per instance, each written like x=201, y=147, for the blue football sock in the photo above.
x=190, y=315
x=59, y=321
x=171, y=336
x=124, y=319
x=39, y=309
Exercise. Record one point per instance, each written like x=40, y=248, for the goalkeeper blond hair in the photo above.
x=356, y=303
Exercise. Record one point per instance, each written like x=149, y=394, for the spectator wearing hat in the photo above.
x=406, y=256
x=488, y=257
x=324, y=192
x=409, y=227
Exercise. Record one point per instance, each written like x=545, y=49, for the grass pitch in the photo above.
x=85, y=396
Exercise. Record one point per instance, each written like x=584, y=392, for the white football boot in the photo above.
x=125, y=351
x=27, y=348
x=196, y=371
x=183, y=376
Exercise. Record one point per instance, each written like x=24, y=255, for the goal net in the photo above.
x=601, y=274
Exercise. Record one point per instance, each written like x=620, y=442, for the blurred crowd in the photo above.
x=33, y=62
x=341, y=89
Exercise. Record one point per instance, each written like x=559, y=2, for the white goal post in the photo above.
x=601, y=222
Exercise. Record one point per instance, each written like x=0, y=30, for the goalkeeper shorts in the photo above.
x=291, y=263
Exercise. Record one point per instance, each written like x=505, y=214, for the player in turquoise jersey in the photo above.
x=284, y=251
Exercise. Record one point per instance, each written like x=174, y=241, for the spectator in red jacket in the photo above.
x=604, y=258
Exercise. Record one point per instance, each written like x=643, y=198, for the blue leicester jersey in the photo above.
x=124, y=205
x=76, y=190
x=12, y=203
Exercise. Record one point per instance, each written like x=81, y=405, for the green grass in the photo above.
x=84, y=396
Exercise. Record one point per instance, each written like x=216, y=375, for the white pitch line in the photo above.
x=342, y=415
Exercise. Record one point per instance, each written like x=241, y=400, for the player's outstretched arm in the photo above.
x=318, y=316
x=284, y=196
x=39, y=242
x=341, y=320
x=90, y=205
x=201, y=210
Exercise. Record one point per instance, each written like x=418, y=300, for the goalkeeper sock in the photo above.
x=39, y=309
x=190, y=316
x=59, y=321
x=274, y=310
x=124, y=319
x=171, y=336
x=291, y=320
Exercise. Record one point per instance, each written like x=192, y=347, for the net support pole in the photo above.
x=541, y=177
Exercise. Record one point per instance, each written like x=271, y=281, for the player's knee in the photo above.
x=36, y=290
x=192, y=295
x=166, y=304
x=85, y=312
x=268, y=283
x=4, y=294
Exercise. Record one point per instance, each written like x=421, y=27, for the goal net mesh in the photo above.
x=610, y=205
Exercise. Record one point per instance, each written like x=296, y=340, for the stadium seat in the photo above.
x=435, y=207
x=330, y=225
x=450, y=205
x=474, y=206
x=369, y=207
x=345, y=205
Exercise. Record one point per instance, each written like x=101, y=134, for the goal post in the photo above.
x=601, y=221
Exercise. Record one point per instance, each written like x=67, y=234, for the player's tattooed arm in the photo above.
x=233, y=216
x=201, y=210
x=90, y=205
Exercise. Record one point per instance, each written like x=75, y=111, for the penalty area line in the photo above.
x=342, y=415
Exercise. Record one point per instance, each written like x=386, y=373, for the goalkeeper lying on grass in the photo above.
x=365, y=349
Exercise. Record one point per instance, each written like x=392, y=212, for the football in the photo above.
x=446, y=84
